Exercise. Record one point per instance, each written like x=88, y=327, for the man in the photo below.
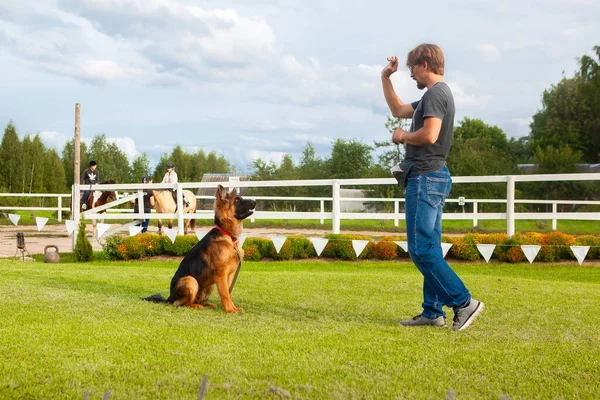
x=89, y=177
x=171, y=177
x=427, y=180
x=148, y=204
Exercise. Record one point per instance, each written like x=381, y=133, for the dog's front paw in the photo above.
x=234, y=310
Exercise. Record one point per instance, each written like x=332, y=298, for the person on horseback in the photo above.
x=171, y=177
x=90, y=176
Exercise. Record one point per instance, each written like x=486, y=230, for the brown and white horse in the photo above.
x=164, y=203
x=99, y=198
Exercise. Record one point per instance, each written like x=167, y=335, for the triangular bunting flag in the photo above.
x=486, y=250
x=241, y=240
x=445, y=248
x=134, y=230
x=278, y=241
x=359, y=246
x=530, y=251
x=171, y=234
x=40, y=222
x=319, y=244
x=201, y=234
x=102, y=228
x=580, y=252
x=403, y=245
x=70, y=226
x=14, y=218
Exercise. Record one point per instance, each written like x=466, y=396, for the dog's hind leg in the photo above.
x=186, y=292
x=203, y=295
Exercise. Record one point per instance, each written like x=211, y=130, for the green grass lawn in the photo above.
x=318, y=330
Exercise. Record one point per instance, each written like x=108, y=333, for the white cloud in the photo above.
x=468, y=101
x=490, y=52
x=54, y=140
x=127, y=145
x=148, y=42
x=267, y=156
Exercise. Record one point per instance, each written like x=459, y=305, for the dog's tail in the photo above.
x=155, y=298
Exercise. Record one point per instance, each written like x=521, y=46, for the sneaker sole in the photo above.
x=477, y=311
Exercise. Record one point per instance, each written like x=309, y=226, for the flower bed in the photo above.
x=554, y=246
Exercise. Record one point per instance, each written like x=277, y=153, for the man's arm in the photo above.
x=84, y=177
x=425, y=136
x=398, y=108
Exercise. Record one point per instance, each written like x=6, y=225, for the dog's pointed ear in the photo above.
x=233, y=192
x=221, y=193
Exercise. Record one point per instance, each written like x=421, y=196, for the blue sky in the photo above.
x=261, y=78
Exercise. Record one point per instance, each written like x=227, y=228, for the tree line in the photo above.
x=564, y=132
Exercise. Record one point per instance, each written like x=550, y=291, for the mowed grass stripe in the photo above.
x=315, y=329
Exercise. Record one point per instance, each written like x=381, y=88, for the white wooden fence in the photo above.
x=335, y=215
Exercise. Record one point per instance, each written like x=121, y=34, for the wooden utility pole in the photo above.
x=76, y=144
x=75, y=193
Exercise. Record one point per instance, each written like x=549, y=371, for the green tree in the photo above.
x=349, y=159
x=140, y=167
x=550, y=160
x=83, y=248
x=54, y=173
x=570, y=113
x=11, y=173
x=390, y=152
x=589, y=90
x=33, y=168
x=480, y=149
x=112, y=161
x=68, y=156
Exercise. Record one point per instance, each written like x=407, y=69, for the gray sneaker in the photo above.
x=419, y=320
x=464, y=316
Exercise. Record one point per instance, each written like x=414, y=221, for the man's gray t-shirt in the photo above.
x=437, y=102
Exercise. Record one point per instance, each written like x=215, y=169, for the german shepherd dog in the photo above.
x=213, y=260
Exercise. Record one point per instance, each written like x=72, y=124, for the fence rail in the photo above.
x=336, y=214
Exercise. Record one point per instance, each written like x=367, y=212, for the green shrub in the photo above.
x=511, y=251
x=251, y=252
x=593, y=242
x=386, y=250
x=257, y=248
x=111, y=247
x=555, y=245
x=183, y=244
x=340, y=246
x=465, y=248
x=83, y=248
x=301, y=247
x=132, y=248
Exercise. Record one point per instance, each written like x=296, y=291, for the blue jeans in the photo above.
x=425, y=197
x=145, y=225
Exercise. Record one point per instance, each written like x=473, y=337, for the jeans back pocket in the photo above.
x=438, y=189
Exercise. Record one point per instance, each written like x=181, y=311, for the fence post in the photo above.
x=335, y=207
x=179, y=210
x=510, y=205
x=475, y=212
x=322, y=211
x=554, y=211
x=59, y=208
x=396, y=211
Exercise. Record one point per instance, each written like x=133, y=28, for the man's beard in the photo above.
x=421, y=86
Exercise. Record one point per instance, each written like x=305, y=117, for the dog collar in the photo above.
x=225, y=232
